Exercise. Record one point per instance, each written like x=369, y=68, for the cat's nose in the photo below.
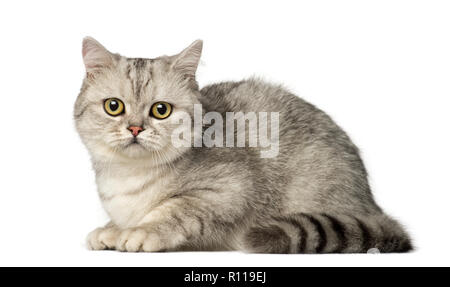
x=135, y=130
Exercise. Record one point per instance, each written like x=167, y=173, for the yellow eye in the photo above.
x=114, y=107
x=161, y=110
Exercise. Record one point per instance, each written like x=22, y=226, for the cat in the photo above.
x=312, y=197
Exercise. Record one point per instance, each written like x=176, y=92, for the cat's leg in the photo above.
x=182, y=223
x=103, y=238
x=324, y=233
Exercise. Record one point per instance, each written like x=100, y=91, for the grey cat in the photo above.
x=313, y=197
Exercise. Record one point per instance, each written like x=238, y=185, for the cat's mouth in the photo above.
x=133, y=142
x=137, y=145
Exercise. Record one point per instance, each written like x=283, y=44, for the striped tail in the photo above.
x=325, y=233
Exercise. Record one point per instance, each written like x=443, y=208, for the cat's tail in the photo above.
x=326, y=233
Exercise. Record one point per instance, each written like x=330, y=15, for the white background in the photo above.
x=381, y=69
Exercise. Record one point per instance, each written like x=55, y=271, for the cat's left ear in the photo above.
x=187, y=61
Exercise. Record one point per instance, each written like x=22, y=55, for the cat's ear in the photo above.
x=187, y=61
x=95, y=56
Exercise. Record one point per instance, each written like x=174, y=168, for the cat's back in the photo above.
x=299, y=121
x=314, y=152
x=251, y=95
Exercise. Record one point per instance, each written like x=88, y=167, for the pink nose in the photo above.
x=135, y=130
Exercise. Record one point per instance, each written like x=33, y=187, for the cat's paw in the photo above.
x=102, y=238
x=138, y=239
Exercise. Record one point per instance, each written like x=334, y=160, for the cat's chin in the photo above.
x=135, y=150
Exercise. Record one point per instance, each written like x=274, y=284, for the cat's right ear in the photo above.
x=95, y=56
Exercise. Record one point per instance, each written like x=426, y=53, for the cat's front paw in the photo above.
x=102, y=238
x=138, y=239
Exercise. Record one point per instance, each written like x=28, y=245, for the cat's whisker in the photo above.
x=167, y=162
x=108, y=166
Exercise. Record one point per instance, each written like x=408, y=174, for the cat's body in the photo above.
x=312, y=198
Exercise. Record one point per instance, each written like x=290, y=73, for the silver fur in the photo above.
x=312, y=198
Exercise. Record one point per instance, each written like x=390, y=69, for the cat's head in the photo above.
x=129, y=107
